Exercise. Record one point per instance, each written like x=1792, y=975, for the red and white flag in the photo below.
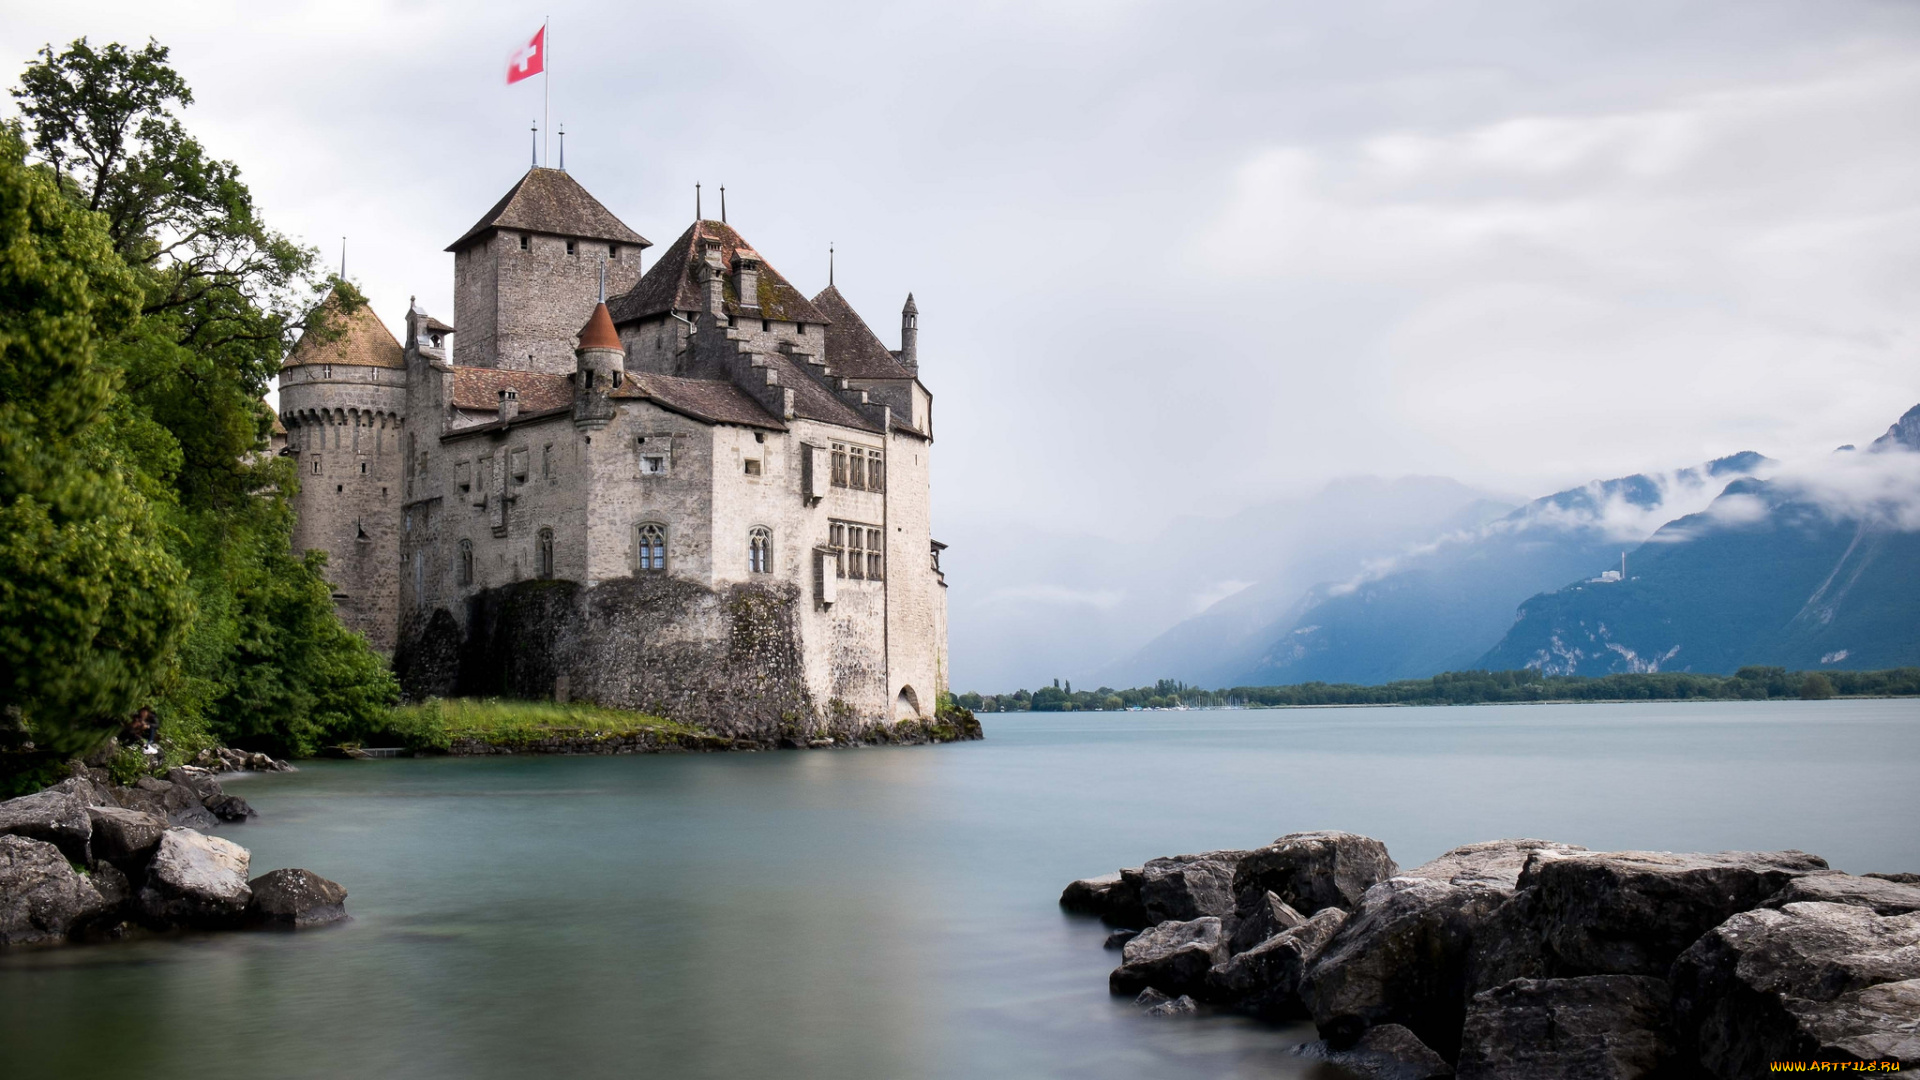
x=529, y=59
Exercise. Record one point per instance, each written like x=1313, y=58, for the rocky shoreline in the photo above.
x=1527, y=959
x=88, y=860
x=960, y=728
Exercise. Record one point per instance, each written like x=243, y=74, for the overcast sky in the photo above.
x=1177, y=257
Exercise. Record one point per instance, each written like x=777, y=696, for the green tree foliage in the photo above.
x=1473, y=688
x=91, y=601
x=216, y=298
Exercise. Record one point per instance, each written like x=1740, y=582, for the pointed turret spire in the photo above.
x=910, y=336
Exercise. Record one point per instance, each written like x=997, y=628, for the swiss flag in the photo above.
x=529, y=59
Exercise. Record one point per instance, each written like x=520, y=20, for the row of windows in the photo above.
x=858, y=467
x=649, y=551
x=858, y=551
x=573, y=247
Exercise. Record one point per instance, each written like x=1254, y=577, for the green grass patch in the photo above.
x=436, y=723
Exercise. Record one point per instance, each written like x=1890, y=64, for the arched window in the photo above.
x=760, y=549
x=650, y=547
x=546, y=553
x=466, y=562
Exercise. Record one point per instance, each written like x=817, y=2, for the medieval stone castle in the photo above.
x=690, y=490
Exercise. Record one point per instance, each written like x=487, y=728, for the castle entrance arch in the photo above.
x=907, y=705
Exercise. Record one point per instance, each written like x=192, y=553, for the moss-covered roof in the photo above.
x=672, y=286
x=355, y=337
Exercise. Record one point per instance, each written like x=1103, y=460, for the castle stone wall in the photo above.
x=520, y=308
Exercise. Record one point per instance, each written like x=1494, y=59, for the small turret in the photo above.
x=910, y=336
x=600, y=366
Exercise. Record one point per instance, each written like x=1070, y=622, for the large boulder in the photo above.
x=201, y=782
x=1265, y=980
x=196, y=881
x=1112, y=897
x=1803, y=982
x=295, y=899
x=1401, y=959
x=1597, y=1027
x=54, y=816
x=1186, y=887
x=1270, y=916
x=1885, y=897
x=1493, y=864
x=1387, y=1052
x=1633, y=912
x=1312, y=870
x=178, y=803
x=42, y=897
x=126, y=837
x=1173, y=957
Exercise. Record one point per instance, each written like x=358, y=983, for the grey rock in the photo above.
x=1805, y=981
x=1904, y=879
x=1883, y=895
x=1119, y=938
x=89, y=791
x=230, y=808
x=1387, y=1052
x=196, y=880
x=56, y=817
x=204, y=785
x=1265, y=980
x=161, y=798
x=1270, y=916
x=1185, y=887
x=1312, y=870
x=1110, y=896
x=198, y=818
x=1596, y=1027
x=1150, y=997
x=1491, y=863
x=295, y=898
x=126, y=836
x=42, y=898
x=1402, y=959
x=1633, y=912
x=1173, y=957
x=1180, y=1006
x=112, y=885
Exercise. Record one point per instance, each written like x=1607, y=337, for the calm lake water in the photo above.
x=885, y=913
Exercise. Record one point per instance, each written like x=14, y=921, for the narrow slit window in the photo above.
x=572, y=247
x=546, y=553
x=466, y=562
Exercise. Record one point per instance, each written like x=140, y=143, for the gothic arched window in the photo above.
x=760, y=549
x=466, y=562
x=650, y=546
x=546, y=553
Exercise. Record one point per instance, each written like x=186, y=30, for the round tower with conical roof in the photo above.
x=343, y=393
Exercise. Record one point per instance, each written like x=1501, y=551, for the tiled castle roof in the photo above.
x=854, y=351
x=479, y=389
x=599, y=333
x=356, y=337
x=549, y=201
x=710, y=400
x=671, y=285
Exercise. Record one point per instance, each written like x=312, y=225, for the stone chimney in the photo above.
x=711, y=274
x=746, y=277
x=509, y=405
x=910, y=337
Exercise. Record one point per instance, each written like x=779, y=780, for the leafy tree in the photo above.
x=219, y=297
x=92, y=603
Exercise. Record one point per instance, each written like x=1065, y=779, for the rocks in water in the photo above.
x=1173, y=957
x=230, y=808
x=1806, y=981
x=1595, y=1027
x=1270, y=916
x=1185, y=887
x=1883, y=894
x=295, y=899
x=1312, y=870
x=1110, y=896
x=124, y=836
x=1387, y=1052
x=1633, y=912
x=1265, y=980
x=196, y=880
x=193, y=817
x=1180, y=1006
x=1119, y=938
x=1150, y=997
x=227, y=759
x=42, y=897
x=1401, y=959
x=54, y=816
x=201, y=782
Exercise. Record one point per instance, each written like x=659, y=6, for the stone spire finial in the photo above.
x=910, y=336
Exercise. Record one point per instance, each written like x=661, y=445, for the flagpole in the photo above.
x=546, y=88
